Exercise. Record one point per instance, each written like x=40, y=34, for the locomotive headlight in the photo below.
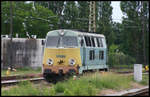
x=72, y=61
x=49, y=61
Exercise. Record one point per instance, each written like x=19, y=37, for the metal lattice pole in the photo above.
x=92, y=23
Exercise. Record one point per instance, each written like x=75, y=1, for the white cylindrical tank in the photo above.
x=138, y=72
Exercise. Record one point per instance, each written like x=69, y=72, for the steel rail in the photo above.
x=132, y=92
x=13, y=82
x=15, y=77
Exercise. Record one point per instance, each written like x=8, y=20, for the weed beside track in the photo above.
x=86, y=85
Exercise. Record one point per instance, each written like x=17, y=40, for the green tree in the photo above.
x=56, y=7
x=117, y=29
x=104, y=21
x=83, y=20
x=26, y=18
x=70, y=15
x=135, y=30
x=118, y=58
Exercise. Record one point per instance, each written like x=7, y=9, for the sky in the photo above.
x=117, y=13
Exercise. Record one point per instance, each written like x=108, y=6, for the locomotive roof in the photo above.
x=84, y=33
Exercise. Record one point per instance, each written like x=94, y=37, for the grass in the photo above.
x=122, y=66
x=22, y=71
x=27, y=89
x=145, y=79
x=122, y=70
x=91, y=84
x=87, y=85
x=75, y=87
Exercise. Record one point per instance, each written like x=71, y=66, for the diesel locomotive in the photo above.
x=73, y=52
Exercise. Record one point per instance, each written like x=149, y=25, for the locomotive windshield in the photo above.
x=61, y=41
x=52, y=41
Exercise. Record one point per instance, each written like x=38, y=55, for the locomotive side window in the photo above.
x=93, y=43
x=101, y=43
x=101, y=55
x=88, y=41
x=98, y=44
x=91, y=55
x=104, y=42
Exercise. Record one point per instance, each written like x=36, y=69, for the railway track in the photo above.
x=140, y=92
x=133, y=92
x=129, y=72
x=35, y=78
x=3, y=78
x=13, y=80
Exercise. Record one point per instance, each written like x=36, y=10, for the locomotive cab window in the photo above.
x=82, y=42
x=70, y=41
x=65, y=41
x=52, y=41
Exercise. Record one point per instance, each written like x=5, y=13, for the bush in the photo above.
x=116, y=57
x=68, y=93
x=52, y=91
x=75, y=87
x=59, y=87
x=145, y=80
